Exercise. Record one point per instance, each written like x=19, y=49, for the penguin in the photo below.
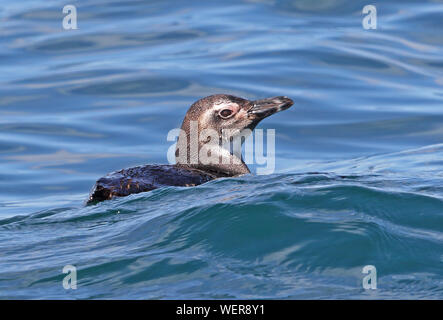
x=209, y=128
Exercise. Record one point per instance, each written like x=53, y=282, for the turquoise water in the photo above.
x=359, y=157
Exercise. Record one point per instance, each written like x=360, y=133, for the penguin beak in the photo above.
x=265, y=107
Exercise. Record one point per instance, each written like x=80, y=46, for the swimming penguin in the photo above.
x=217, y=114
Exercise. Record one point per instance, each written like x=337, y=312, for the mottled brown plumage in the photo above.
x=146, y=178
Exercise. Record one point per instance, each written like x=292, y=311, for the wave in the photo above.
x=253, y=237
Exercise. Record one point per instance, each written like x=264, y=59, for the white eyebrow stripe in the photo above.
x=206, y=115
x=225, y=105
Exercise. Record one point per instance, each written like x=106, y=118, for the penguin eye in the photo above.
x=225, y=113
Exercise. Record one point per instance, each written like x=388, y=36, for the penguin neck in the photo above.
x=230, y=165
x=218, y=161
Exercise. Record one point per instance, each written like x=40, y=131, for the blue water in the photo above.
x=359, y=157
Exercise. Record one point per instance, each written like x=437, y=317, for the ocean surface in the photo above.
x=359, y=157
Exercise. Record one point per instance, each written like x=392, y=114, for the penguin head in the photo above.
x=226, y=112
x=228, y=116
